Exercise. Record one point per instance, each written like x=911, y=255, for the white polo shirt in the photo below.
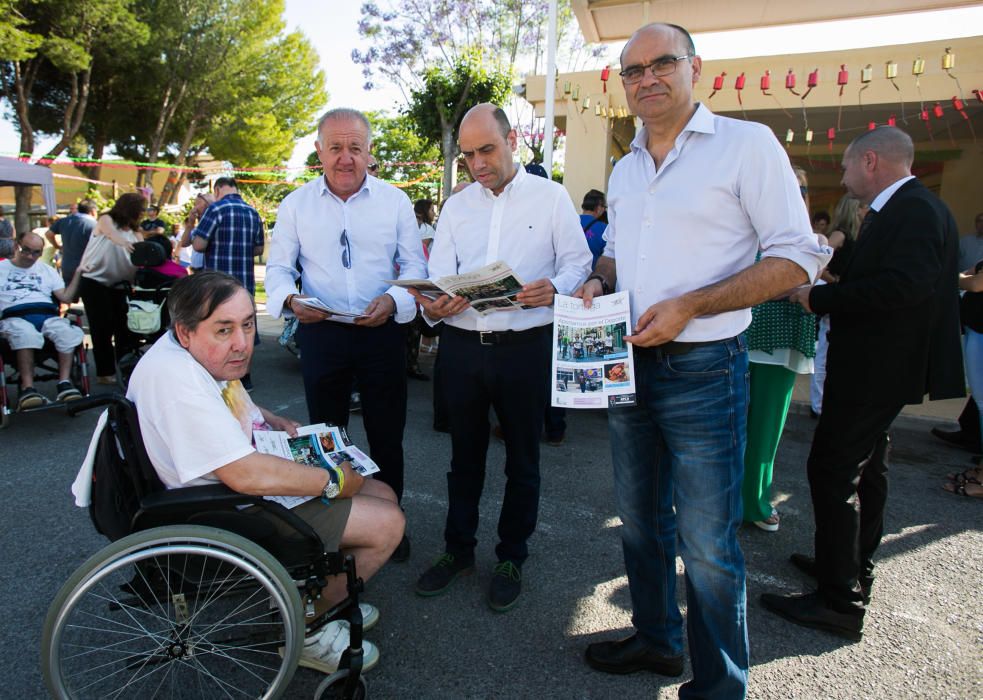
x=724, y=191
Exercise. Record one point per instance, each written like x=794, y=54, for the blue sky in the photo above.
x=331, y=26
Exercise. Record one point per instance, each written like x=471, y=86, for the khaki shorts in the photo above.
x=22, y=335
x=328, y=521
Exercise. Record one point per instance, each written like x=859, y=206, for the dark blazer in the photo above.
x=894, y=314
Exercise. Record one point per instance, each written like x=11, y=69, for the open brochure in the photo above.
x=319, y=305
x=319, y=445
x=593, y=365
x=488, y=289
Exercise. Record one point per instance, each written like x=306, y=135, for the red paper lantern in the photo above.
x=871, y=126
x=766, y=81
x=891, y=121
x=937, y=110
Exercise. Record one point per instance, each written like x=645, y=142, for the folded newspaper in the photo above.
x=318, y=445
x=488, y=289
x=319, y=305
x=593, y=366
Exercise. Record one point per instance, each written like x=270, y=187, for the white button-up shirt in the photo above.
x=382, y=234
x=532, y=226
x=724, y=191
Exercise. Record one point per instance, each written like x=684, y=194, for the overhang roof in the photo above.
x=615, y=20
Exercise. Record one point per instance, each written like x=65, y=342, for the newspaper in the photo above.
x=489, y=289
x=592, y=363
x=319, y=445
x=319, y=305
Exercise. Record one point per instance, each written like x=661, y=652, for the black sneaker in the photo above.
x=67, y=392
x=29, y=398
x=506, y=584
x=441, y=575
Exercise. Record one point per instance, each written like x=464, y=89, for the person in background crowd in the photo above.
x=71, y=234
x=500, y=360
x=971, y=245
x=349, y=231
x=726, y=187
x=107, y=259
x=968, y=483
x=593, y=220
x=781, y=346
x=202, y=202
x=6, y=236
x=28, y=316
x=48, y=256
x=847, y=215
x=425, y=214
x=820, y=222
x=894, y=336
x=153, y=223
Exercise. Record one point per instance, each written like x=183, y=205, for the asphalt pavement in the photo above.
x=924, y=628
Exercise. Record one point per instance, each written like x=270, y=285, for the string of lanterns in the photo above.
x=926, y=112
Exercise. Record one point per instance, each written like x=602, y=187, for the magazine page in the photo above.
x=489, y=289
x=592, y=363
x=318, y=445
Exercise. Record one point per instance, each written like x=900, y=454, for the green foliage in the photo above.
x=447, y=94
x=404, y=156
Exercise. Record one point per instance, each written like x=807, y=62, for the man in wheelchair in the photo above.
x=28, y=316
x=197, y=423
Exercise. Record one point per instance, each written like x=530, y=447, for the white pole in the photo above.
x=550, y=90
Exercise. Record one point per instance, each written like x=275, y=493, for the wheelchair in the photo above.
x=193, y=598
x=45, y=369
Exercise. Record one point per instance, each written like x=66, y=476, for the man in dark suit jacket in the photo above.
x=894, y=336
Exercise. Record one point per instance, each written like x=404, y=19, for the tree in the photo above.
x=405, y=158
x=407, y=40
x=37, y=35
x=439, y=105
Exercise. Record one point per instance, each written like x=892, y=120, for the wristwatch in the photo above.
x=332, y=488
x=605, y=289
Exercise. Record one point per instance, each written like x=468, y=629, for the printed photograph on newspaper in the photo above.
x=592, y=362
x=317, y=445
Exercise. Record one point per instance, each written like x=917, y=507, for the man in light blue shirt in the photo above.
x=348, y=232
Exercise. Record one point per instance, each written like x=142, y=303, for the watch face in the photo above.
x=331, y=490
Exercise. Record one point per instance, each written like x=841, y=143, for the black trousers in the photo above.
x=332, y=355
x=514, y=378
x=847, y=471
x=969, y=421
x=105, y=309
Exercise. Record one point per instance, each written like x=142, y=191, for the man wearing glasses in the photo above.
x=689, y=207
x=347, y=232
x=28, y=315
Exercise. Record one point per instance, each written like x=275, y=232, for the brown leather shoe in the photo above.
x=629, y=656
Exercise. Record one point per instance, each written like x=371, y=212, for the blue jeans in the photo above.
x=973, y=346
x=683, y=445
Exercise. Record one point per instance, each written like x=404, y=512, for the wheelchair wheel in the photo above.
x=174, y=612
x=333, y=687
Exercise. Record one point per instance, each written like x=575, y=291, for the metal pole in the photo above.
x=550, y=90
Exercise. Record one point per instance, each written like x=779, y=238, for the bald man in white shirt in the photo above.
x=503, y=359
x=349, y=232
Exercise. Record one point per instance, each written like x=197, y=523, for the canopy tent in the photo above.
x=16, y=172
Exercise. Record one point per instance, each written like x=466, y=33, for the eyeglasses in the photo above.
x=373, y=167
x=346, y=250
x=803, y=190
x=660, y=68
x=33, y=252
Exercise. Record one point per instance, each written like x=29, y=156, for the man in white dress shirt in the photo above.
x=690, y=206
x=348, y=232
x=503, y=359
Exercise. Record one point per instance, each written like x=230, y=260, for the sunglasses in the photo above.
x=346, y=251
x=374, y=167
x=33, y=252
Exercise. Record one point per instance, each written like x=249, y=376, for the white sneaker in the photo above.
x=322, y=651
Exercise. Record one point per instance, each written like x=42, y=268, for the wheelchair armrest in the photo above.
x=94, y=401
x=195, y=497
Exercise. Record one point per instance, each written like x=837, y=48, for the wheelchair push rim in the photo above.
x=207, y=614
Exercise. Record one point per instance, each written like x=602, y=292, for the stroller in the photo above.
x=146, y=314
